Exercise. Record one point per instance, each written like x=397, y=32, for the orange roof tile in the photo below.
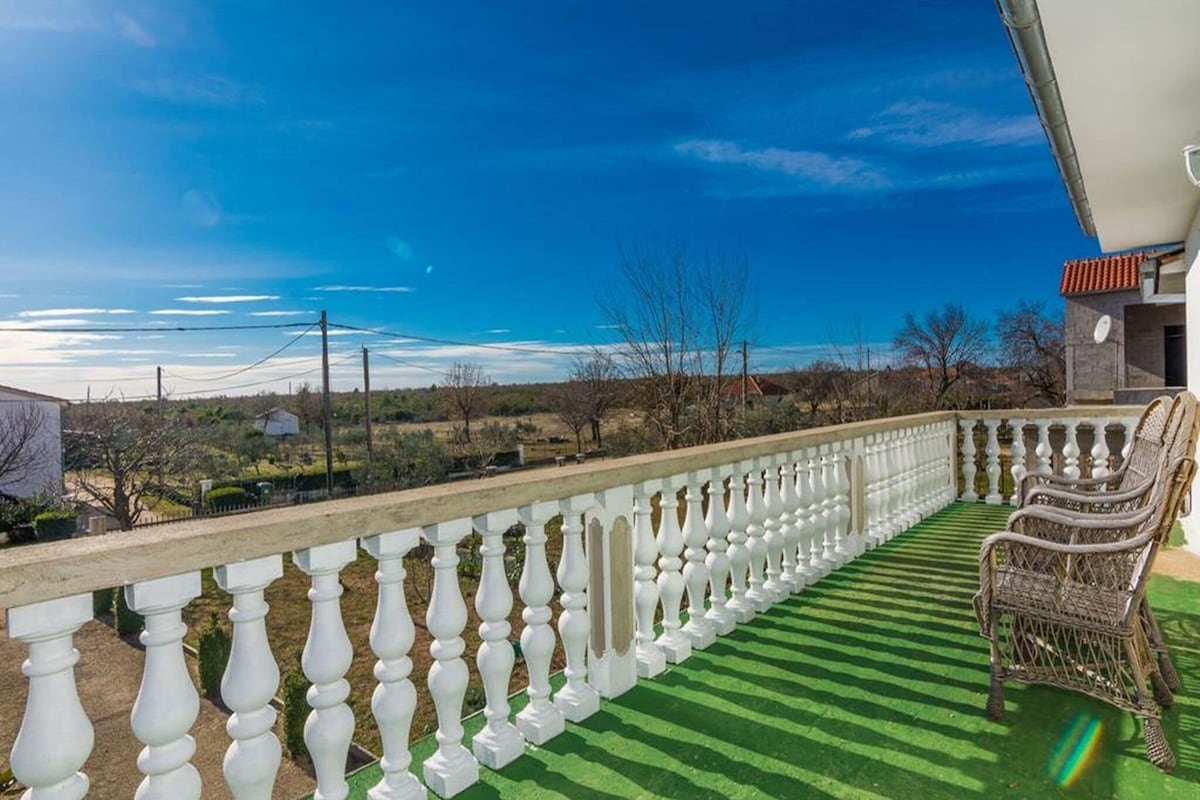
x=1115, y=273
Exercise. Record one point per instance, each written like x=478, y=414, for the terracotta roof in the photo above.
x=1114, y=273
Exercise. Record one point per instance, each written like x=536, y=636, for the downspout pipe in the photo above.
x=1028, y=40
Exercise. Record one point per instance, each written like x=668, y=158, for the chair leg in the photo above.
x=1157, y=748
x=995, y=701
x=1162, y=691
x=1167, y=668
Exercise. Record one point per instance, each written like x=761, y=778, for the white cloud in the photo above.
x=499, y=330
x=188, y=312
x=72, y=312
x=926, y=124
x=227, y=298
x=131, y=30
x=211, y=90
x=810, y=166
x=342, y=288
x=281, y=313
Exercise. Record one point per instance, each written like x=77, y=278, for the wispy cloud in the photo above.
x=209, y=90
x=344, y=288
x=227, y=298
x=810, y=166
x=928, y=124
x=133, y=31
x=499, y=330
x=71, y=312
x=281, y=313
x=188, y=312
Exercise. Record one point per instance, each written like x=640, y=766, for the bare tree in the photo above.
x=598, y=374
x=25, y=446
x=465, y=390
x=1034, y=343
x=572, y=406
x=126, y=456
x=677, y=319
x=943, y=344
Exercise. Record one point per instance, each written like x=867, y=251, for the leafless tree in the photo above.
x=600, y=378
x=1034, y=342
x=943, y=343
x=677, y=319
x=571, y=405
x=309, y=407
x=125, y=456
x=25, y=443
x=465, y=390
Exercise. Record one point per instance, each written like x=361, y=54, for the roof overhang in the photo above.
x=1115, y=87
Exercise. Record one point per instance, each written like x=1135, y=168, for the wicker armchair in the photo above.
x=1062, y=602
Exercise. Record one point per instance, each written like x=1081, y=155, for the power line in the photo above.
x=451, y=342
x=249, y=367
x=404, y=363
x=155, y=328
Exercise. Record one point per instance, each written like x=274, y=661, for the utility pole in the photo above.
x=745, y=376
x=367, y=401
x=158, y=372
x=327, y=403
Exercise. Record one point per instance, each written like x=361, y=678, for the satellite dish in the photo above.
x=1103, y=329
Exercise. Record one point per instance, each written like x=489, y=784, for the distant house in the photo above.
x=278, y=422
x=30, y=443
x=760, y=391
x=1144, y=353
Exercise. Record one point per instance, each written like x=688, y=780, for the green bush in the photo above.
x=102, y=602
x=295, y=712
x=474, y=699
x=128, y=620
x=54, y=524
x=213, y=646
x=226, y=499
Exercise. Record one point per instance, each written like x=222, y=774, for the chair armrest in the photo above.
x=1088, y=502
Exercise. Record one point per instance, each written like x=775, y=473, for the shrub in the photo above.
x=295, y=712
x=54, y=524
x=214, y=645
x=474, y=699
x=128, y=620
x=102, y=602
x=226, y=499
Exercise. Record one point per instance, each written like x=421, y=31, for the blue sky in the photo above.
x=468, y=171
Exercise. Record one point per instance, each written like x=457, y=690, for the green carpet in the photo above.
x=870, y=684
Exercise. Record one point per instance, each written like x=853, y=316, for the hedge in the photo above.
x=227, y=498
x=213, y=647
x=295, y=712
x=55, y=524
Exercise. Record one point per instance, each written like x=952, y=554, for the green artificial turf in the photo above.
x=869, y=684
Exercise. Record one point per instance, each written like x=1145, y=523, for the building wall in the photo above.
x=1094, y=370
x=1144, y=342
x=46, y=473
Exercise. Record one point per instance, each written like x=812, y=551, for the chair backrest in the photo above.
x=1145, y=455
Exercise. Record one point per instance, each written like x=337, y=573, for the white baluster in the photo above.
x=250, y=680
x=577, y=700
x=56, y=736
x=1017, y=469
x=992, y=449
x=739, y=605
x=846, y=543
x=499, y=743
x=969, y=469
x=451, y=768
x=773, y=537
x=948, y=472
x=717, y=560
x=911, y=514
x=1071, y=450
x=540, y=721
x=695, y=573
x=651, y=661
x=789, y=531
x=829, y=511
x=820, y=543
x=167, y=703
x=675, y=645
x=887, y=466
x=1100, y=449
x=872, y=499
x=756, y=508
x=1129, y=426
x=392, y=634
x=1044, y=451
x=326, y=657
x=808, y=567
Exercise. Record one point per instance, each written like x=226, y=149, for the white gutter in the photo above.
x=1028, y=39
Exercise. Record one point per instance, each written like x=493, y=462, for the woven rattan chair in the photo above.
x=1060, y=602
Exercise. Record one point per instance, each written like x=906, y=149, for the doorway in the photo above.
x=1174, y=355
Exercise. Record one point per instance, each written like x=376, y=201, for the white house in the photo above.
x=30, y=443
x=278, y=422
x=1114, y=85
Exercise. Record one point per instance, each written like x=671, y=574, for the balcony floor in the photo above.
x=870, y=684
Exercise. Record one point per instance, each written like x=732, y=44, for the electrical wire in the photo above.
x=248, y=367
x=155, y=328
x=451, y=342
x=404, y=363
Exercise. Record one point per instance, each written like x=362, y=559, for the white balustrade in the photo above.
x=1018, y=469
x=887, y=484
x=992, y=450
x=807, y=568
x=673, y=642
x=969, y=469
x=499, y=743
x=695, y=574
x=651, y=660
x=250, y=680
x=739, y=604
x=773, y=537
x=1071, y=450
x=755, y=544
x=846, y=541
x=789, y=530
x=1099, y=452
x=56, y=736
x=326, y=658
x=829, y=511
x=1130, y=426
x=872, y=496
x=717, y=561
x=576, y=700
x=540, y=721
x=451, y=768
x=167, y=703
x=1044, y=451
x=392, y=633
x=821, y=547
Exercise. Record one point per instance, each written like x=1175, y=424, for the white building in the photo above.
x=278, y=422
x=1115, y=86
x=30, y=443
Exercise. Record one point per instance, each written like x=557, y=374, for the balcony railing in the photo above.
x=761, y=519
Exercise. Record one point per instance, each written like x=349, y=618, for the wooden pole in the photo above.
x=367, y=403
x=327, y=402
